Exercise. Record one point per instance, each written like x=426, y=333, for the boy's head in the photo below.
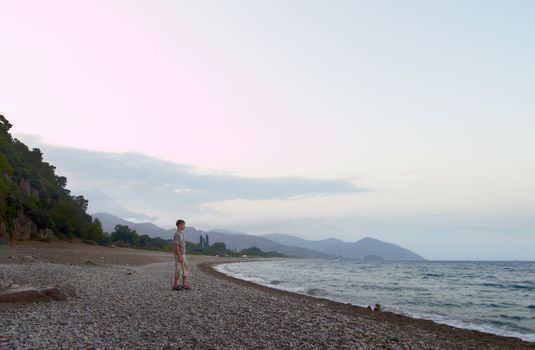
x=181, y=224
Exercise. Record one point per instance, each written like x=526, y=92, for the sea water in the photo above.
x=493, y=297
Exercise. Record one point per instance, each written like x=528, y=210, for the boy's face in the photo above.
x=181, y=226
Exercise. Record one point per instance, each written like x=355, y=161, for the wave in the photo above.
x=495, y=306
x=433, y=275
x=510, y=326
x=486, y=327
x=314, y=291
x=258, y=280
x=508, y=286
x=393, y=287
x=521, y=286
x=514, y=318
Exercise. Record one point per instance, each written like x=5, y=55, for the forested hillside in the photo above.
x=34, y=201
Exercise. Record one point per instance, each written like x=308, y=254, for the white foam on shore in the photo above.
x=257, y=280
x=530, y=337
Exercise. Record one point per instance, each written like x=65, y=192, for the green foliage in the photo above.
x=96, y=233
x=5, y=167
x=217, y=248
x=125, y=236
x=29, y=187
x=204, y=242
x=254, y=251
x=220, y=249
x=123, y=233
x=4, y=125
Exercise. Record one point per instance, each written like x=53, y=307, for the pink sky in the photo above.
x=430, y=106
x=109, y=76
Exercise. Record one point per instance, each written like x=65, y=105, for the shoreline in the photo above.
x=451, y=322
x=125, y=301
x=383, y=316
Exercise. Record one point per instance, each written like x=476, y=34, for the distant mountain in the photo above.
x=369, y=248
x=232, y=241
x=100, y=202
x=388, y=251
x=146, y=228
x=227, y=231
x=353, y=250
x=243, y=241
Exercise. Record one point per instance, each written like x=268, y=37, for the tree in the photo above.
x=5, y=167
x=218, y=248
x=125, y=234
x=29, y=187
x=253, y=251
x=96, y=233
x=4, y=124
x=61, y=181
x=207, y=242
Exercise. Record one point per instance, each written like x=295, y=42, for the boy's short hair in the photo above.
x=179, y=222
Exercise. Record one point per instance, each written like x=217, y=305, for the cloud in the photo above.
x=149, y=185
x=140, y=187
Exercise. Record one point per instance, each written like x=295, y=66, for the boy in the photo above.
x=181, y=262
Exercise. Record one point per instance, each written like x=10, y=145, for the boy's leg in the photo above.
x=177, y=272
x=180, y=271
x=185, y=271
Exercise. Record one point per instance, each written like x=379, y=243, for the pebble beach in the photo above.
x=123, y=300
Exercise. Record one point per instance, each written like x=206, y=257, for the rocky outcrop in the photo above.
x=24, y=294
x=27, y=190
x=47, y=234
x=25, y=187
x=24, y=227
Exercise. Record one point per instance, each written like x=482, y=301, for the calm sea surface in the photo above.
x=494, y=297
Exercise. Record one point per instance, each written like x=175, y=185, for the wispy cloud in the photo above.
x=148, y=185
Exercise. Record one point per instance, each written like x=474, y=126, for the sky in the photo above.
x=411, y=122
